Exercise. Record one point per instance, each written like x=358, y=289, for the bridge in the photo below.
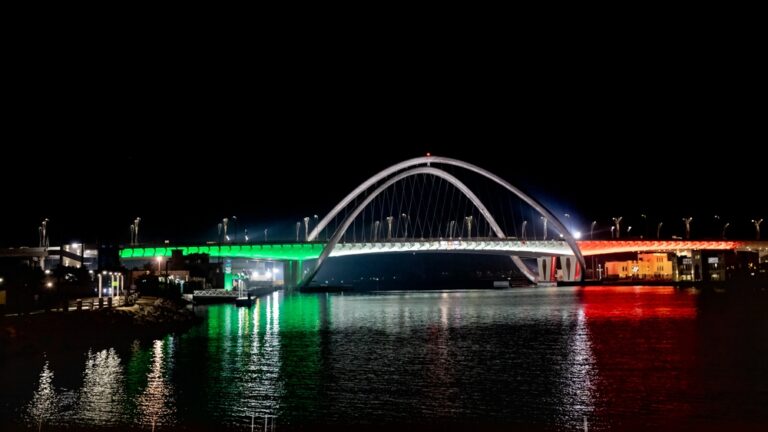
x=420, y=206
x=295, y=253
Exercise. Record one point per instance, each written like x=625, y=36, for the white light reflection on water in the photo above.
x=44, y=407
x=249, y=359
x=155, y=405
x=579, y=370
x=102, y=399
x=260, y=391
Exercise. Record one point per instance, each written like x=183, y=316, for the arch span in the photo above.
x=428, y=160
x=336, y=237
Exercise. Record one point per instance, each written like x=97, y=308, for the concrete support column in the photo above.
x=546, y=266
x=292, y=273
x=571, y=268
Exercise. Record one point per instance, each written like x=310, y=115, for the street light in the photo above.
x=525, y=236
x=136, y=230
x=724, y=227
x=592, y=231
x=407, y=220
x=306, y=228
x=757, y=228
x=468, y=220
x=545, y=226
x=389, y=227
x=687, y=222
x=617, y=224
x=658, y=230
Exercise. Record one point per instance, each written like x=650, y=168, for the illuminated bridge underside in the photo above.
x=305, y=251
x=290, y=251
x=503, y=247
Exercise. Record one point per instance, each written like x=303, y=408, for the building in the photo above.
x=654, y=266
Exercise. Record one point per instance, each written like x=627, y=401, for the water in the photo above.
x=617, y=358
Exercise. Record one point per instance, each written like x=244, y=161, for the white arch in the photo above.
x=422, y=170
x=334, y=240
x=455, y=162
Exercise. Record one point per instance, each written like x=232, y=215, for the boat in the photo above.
x=244, y=301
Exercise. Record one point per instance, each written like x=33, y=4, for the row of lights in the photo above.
x=616, y=228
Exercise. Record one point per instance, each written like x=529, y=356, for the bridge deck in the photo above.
x=311, y=250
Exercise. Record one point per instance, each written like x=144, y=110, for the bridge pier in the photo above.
x=293, y=271
x=546, y=266
x=571, y=269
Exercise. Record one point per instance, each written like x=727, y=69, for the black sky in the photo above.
x=183, y=150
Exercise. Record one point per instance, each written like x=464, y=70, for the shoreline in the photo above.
x=149, y=318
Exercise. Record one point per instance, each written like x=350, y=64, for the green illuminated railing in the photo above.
x=289, y=251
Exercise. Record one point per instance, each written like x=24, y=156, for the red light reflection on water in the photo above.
x=637, y=302
x=644, y=344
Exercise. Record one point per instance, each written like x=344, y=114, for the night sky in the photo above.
x=660, y=146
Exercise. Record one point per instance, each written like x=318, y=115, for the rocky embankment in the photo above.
x=148, y=318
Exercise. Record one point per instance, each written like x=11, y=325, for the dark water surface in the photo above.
x=617, y=358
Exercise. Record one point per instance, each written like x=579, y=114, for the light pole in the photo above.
x=389, y=227
x=136, y=234
x=468, y=220
x=376, y=230
x=545, y=226
x=717, y=220
x=658, y=230
x=617, y=224
x=298, y=228
x=687, y=222
x=306, y=228
x=43, y=232
x=133, y=234
x=757, y=228
x=224, y=223
x=613, y=230
x=724, y=227
x=316, y=223
x=451, y=229
x=407, y=219
x=568, y=222
x=525, y=236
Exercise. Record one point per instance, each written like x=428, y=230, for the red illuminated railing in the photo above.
x=598, y=247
